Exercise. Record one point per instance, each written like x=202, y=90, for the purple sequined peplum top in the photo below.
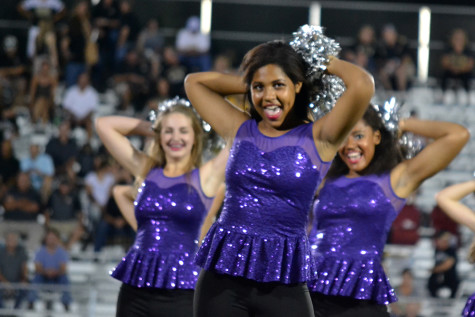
x=352, y=218
x=469, y=309
x=169, y=212
x=270, y=183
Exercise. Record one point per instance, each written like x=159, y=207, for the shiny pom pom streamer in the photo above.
x=169, y=103
x=390, y=114
x=315, y=49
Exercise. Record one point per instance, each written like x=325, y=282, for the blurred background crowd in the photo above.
x=64, y=63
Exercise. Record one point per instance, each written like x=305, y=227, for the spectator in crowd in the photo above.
x=73, y=44
x=85, y=159
x=13, y=81
x=43, y=14
x=444, y=272
x=159, y=92
x=150, y=38
x=150, y=43
x=63, y=150
x=131, y=82
x=457, y=62
x=223, y=64
x=193, y=46
x=13, y=269
x=40, y=168
x=80, y=102
x=174, y=71
x=129, y=28
x=409, y=296
x=106, y=19
x=395, y=67
x=98, y=188
x=9, y=167
x=42, y=92
x=162, y=89
x=51, y=262
x=363, y=51
x=64, y=213
x=22, y=205
x=112, y=225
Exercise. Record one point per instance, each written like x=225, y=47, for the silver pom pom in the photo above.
x=169, y=103
x=411, y=144
x=324, y=101
x=389, y=113
x=315, y=49
x=152, y=115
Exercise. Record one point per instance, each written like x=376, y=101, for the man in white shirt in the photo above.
x=80, y=101
x=193, y=46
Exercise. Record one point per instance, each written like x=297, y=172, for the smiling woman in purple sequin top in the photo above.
x=364, y=190
x=256, y=256
x=174, y=194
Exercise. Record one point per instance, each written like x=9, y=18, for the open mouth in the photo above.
x=354, y=157
x=273, y=112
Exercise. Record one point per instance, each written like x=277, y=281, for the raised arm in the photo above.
x=448, y=140
x=113, y=131
x=123, y=195
x=207, y=91
x=331, y=130
x=449, y=198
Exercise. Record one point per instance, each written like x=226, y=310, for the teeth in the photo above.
x=272, y=110
x=354, y=155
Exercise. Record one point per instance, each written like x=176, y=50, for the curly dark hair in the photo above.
x=283, y=55
x=387, y=154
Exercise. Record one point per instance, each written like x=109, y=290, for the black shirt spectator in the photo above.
x=9, y=164
x=13, y=269
x=63, y=205
x=63, y=150
x=444, y=272
x=395, y=66
x=22, y=202
x=457, y=61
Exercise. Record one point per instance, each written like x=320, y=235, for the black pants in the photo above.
x=464, y=79
x=148, y=302
x=218, y=295
x=342, y=306
x=439, y=280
